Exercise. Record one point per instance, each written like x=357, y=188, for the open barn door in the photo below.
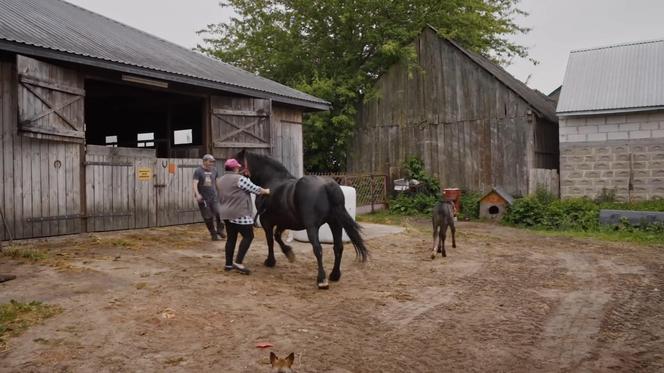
x=240, y=124
x=50, y=101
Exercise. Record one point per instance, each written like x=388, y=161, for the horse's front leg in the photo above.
x=312, y=234
x=287, y=250
x=271, y=261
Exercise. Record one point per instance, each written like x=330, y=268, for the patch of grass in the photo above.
x=29, y=253
x=389, y=218
x=608, y=234
x=16, y=317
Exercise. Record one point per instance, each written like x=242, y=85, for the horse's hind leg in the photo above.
x=435, y=242
x=453, y=230
x=312, y=234
x=286, y=249
x=270, y=261
x=442, y=234
x=337, y=233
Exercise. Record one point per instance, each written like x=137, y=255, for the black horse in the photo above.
x=304, y=203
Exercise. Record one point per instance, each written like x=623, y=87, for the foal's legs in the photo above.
x=443, y=234
x=312, y=234
x=287, y=250
x=436, y=241
x=453, y=229
x=337, y=233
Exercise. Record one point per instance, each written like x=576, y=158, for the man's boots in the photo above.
x=209, y=223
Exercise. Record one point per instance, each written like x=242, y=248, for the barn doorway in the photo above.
x=118, y=115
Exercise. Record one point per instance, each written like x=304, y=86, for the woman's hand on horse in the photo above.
x=265, y=191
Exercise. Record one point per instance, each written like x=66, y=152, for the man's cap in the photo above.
x=208, y=157
x=232, y=163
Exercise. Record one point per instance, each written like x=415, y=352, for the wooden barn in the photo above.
x=473, y=124
x=102, y=125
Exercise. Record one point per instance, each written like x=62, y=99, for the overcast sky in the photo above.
x=558, y=26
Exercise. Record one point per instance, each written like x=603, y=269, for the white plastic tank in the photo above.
x=324, y=233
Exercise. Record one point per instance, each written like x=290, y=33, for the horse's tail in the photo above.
x=339, y=214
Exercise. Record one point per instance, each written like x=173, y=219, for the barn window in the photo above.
x=112, y=141
x=170, y=124
x=182, y=137
x=493, y=210
x=145, y=140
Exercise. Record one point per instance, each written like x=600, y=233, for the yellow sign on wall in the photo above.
x=144, y=173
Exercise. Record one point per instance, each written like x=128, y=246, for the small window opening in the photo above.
x=183, y=137
x=145, y=140
x=112, y=141
x=493, y=210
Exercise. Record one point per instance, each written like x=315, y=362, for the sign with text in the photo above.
x=144, y=173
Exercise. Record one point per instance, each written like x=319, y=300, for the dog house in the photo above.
x=494, y=204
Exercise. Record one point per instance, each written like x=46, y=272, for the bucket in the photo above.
x=453, y=194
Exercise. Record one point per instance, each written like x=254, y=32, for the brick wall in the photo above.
x=609, y=151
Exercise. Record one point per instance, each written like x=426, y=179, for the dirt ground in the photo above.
x=505, y=300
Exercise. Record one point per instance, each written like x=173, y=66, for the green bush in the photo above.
x=470, y=205
x=412, y=204
x=415, y=170
x=575, y=214
x=656, y=204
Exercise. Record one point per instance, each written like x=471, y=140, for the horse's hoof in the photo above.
x=433, y=256
x=439, y=250
x=335, y=276
x=270, y=262
x=323, y=285
x=454, y=246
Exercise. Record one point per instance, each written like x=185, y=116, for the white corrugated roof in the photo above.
x=624, y=77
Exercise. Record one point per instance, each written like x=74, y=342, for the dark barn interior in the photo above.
x=137, y=117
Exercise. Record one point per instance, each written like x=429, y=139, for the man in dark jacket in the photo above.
x=206, y=196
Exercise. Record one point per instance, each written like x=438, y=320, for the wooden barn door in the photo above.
x=47, y=150
x=50, y=101
x=238, y=124
x=120, y=188
x=173, y=188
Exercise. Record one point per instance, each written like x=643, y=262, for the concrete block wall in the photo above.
x=609, y=151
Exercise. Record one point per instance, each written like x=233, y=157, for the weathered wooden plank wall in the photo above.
x=470, y=130
x=40, y=178
x=287, y=139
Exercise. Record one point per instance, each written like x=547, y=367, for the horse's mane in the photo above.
x=271, y=163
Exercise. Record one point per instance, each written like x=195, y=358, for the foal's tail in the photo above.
x=339, y=213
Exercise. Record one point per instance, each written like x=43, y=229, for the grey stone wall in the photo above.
x=611, y=152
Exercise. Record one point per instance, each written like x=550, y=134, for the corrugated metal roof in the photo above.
x=78, y=35
x=624, y=77
x=536, y=99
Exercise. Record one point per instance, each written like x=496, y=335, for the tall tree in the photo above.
x=336, y=49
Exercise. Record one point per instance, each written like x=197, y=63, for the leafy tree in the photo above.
x=336, y=49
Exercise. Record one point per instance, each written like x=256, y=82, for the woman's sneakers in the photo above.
x=228, y=268
x=242, y=269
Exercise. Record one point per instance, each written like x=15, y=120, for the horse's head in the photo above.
x=280, y=365
x=262, y=169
